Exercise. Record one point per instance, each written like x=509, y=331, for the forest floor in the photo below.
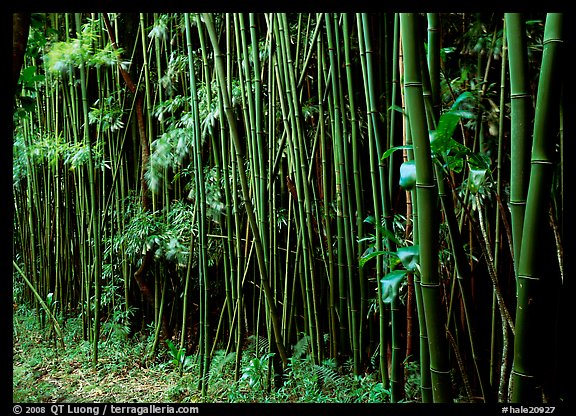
x=44, y=372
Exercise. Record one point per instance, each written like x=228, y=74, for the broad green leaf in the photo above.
x=29, y=76
x=463, y=113
x=50, y=300
x=408, y=175
x=410, y=257
x=476, y=179
x=390, y=285
x=479, y=161
x=447, y=124
x=461, y=100
x=388, y=152
x=370, y=219
x=369, y=254
x=172, y=347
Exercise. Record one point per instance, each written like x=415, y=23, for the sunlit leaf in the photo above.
x=408, y=175
x=410, y=257
x=369, y=254
x=390, y=285
x=388, y=152
x=476, y=179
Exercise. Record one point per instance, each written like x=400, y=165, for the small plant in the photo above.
x=412, y=384
x=256, y=370
x=179, y=357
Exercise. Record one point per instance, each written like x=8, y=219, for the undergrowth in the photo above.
x=44, y=372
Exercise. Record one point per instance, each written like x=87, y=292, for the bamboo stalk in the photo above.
x=526, y=371
x=427, y=214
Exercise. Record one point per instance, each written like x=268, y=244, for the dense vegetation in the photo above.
x=289, y=207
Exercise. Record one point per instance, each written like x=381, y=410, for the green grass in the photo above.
x=44, y=373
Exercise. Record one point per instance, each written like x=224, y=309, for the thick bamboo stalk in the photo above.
x=532, y=275
x=520, y=117
x=427, y=211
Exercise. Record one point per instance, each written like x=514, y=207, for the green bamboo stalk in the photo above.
x=433, y=59
x=233, y=225
x=342, y=195
x=204, y=342
x=259, y=133
x=95, y=220
x=301, y=192
x=377, y=195
x=520, y=116
x=332, y=307
x=42, y=304
x=358, y=202
x=532, y=276
x=505, y=338
x=431, y=93
x=427, y=213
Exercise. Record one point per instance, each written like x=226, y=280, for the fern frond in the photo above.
x=301, y=347
x=327, y=375
x=258, y=344
x=219, y=361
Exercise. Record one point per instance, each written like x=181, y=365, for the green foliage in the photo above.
x=37, y=365
x=451, y=154
x=108, y=116
x=160, y=28
x=29, y=77
x=476, y=179
x=19, y=159
x=169, y=236
x=395, y=236
x=168, y=152
x=301, y=347
x=410, y=257
x=391, y=285
x=52, y=187
x=254, y=374
x=52, y=151
x=412, y=381
x=62, y=57
x=408, y=175
x=327, y=375
x=179, y=359
x=222, y=363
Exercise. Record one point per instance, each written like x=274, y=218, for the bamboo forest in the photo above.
x=289, y=207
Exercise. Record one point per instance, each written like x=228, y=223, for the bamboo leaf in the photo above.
x=476, y=179
x=29, y=76
x=410, y=257
x=408, y=175
x=369, y=254
x=386, y=233
x=388, y=152
x=390, y=285
x=396, y=108
x=464, y=100
x=447, y=124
